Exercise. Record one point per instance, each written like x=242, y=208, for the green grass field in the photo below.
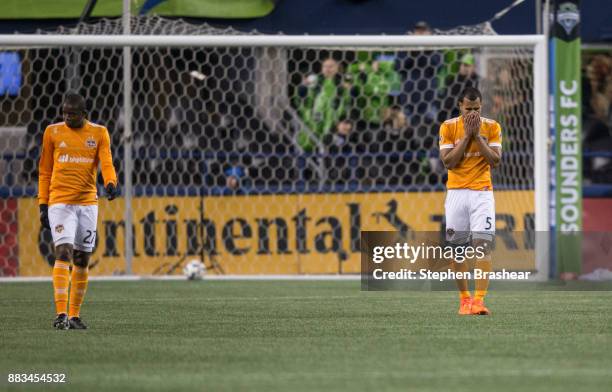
x=307, y=336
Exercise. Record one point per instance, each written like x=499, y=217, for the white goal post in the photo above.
x=537, y=43
x=306, y=41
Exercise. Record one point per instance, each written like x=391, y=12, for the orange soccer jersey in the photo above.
x=473, y=171
x=69, y=164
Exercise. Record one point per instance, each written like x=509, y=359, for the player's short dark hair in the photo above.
x=471, y=93
x=75, y=99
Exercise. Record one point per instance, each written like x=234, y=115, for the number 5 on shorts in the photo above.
x=489, y=224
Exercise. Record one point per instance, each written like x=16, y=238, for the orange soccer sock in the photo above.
x=61, y=281
x=78, y=288
x=462, y=284
x=482, y=285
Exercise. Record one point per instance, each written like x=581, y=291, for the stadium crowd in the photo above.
x=597, y=118
x=361, y=119
x=365, y=119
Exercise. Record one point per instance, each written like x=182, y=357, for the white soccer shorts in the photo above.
x=469, y=214
x=74, y=224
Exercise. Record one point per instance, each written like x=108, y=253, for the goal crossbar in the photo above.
x=9, y=40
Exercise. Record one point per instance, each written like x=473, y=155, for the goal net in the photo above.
x=268, y=156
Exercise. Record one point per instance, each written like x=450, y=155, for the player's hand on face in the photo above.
x=111, y=191
x=477, y=124
x=44, y=216
x=468, y=124
x=472, y=122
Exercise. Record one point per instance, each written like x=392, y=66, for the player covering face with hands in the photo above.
x=470, y=145
x=72, y=150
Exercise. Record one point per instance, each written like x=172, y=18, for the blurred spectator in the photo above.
x=395, y=121
x=502, y=90
x=454, y=84
x=340, y=148
x=321, y=100
x=392, y=139
x=505, y=104
x=597, y=114
x=233, y=176
x=421, y=28
x=449, y=65
x=418, y=70
x=342, y=139
x=33, y=142
x=465, y=77
x=596, y=78
x=375, y=86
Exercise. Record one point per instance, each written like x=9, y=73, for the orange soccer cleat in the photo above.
x=479, y=308
x=465, y=306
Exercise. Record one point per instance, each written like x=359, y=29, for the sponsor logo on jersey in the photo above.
x=90, y=142
x=472, y=154
x=63, y=144
x=59, y=228
x=65, y=158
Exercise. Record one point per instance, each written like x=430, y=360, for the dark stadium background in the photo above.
x=389, y=17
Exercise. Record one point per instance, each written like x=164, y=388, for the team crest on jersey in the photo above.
x=59, y=228
x=450, y=233
x=90, y=142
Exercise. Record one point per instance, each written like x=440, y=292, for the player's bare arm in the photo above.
x=452, y=156
x=491, y=154
x=45, y=170
x=473, y=123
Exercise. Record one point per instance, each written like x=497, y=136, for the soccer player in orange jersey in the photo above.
x=68, y=201
x=470, y=145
